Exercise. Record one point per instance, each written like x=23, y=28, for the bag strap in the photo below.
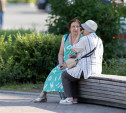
x=91, y=52
x=66, y=37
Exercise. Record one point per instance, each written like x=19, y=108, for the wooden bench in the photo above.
x=102, y=89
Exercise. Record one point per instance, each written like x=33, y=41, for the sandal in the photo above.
x=66, y=101
x=39, y=100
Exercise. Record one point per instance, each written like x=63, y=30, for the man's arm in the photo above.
x=77, y=40
x=79, y=46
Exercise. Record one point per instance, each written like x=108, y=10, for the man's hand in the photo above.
x=72, y=56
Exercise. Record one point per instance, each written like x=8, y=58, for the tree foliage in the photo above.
x=105, y=15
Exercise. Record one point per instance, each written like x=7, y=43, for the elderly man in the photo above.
x=91, y=64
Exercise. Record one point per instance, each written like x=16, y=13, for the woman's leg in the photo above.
x=43, y=94
x=41, y=98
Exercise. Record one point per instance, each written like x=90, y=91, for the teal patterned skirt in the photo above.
x=53, y=81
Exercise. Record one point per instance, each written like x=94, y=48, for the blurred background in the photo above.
x=33, y=14
x=25, y=14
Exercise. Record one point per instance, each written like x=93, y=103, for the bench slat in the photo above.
x=95, y=101
x=82, y=91
x=102, y=82
x=109, y=77
x=106, y=95
x=102, y=99
x=107, y=89
x=103, y=85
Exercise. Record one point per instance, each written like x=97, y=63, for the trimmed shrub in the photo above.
x=13, y=33
x=115, y=66
x=29, y=59
x=21, y=1
x=107, y=17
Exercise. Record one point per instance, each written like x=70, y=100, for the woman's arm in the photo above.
x=61, y=53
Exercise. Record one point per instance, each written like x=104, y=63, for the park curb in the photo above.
x=25, y=93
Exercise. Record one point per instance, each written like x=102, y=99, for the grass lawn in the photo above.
x=29, y=87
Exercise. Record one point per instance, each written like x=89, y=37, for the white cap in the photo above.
x=90, y=26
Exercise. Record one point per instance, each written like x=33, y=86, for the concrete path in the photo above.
x=23, y=103
x=25, y=16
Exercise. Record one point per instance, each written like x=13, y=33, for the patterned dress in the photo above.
x=53, y=81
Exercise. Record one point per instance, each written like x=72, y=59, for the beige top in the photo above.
x=91, y=65
x=2, y=5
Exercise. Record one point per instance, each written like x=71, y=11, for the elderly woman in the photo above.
x=91, y=64
x=53, y=81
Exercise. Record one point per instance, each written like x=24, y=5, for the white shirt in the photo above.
x=91, y=65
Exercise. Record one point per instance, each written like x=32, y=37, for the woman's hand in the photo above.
x=60, y=65
x=72, y=56
x=63, y=66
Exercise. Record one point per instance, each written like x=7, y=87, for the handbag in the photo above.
x=72, y=62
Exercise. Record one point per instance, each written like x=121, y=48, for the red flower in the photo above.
x=113, y=37
x=121, y=36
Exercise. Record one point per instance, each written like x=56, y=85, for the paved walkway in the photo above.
x=23, y=103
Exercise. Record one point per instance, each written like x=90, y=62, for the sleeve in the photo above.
x=80, y=46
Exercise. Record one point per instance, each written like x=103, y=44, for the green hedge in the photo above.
x=115, y=66
x=13, y=32
x=21, y=1
x=29, y=59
